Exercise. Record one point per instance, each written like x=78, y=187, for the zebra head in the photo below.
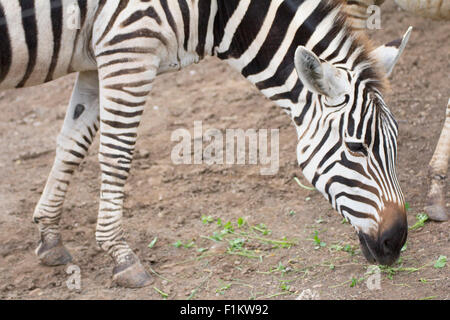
x=348, y=146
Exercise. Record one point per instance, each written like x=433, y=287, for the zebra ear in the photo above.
x=387, y=55
x=317, y=76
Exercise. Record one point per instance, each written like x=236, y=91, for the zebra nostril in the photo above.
x=391, y=242
x=386, y=245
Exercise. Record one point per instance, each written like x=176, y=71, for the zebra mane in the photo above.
x=370, y=70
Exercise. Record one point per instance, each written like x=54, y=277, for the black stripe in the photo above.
x=124, y=114
x=31, y=37
x=141, y=33
x=124, y=160
x=357, y=198
x=169, y=17
x=292, y=95
x=125, y=72
x=5, y=48
x=357, y=214
x=186, y=20
x=118, y=148
x=76, y=154
x=366, y=107
x=112, y=183
x=225, y=9
x=204, y=12
x=351, y=121
x=115, y=175
x=121, y=87
x=126, y=103
x=117, y=61
x=82, y=4
x=99, y=9
x=117, y=138
x=86, y=139
x=57, y=25
x=299, y=120
x=369, y=127
x=350, y=183
x=126, y=50
x=82, y=146
x=92, y=135
x=71, y=163
x=140, y=14
x=121, y=125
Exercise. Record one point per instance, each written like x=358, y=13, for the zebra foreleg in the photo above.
x=78, y=131
x=123, y=96
x=436, y=208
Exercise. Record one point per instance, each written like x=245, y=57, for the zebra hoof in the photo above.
x=53, y=253
x=436, y=206
x=436, y=212
x=131, y=274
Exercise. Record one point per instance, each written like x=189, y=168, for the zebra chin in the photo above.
x=385, y=246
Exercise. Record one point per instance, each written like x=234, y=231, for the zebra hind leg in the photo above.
x=436, y=208
x=77, y=134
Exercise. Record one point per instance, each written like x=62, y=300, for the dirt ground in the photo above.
x=272, y=253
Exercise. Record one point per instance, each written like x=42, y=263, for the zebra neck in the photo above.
x=259, y=39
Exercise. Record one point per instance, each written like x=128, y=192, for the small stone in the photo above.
x=36, y=292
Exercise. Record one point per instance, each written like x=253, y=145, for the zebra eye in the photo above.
x=357, y=147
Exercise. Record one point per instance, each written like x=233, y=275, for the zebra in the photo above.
x=438, y=166
x=301, y=54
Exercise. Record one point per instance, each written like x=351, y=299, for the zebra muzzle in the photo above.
x=384, y=248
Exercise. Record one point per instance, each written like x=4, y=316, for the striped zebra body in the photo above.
x=48, y=47
x=299, y=53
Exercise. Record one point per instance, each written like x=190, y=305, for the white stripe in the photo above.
x=333, y=44
x=45, y=43
x=232, y=25
x=193, y=31
x=257, y=43
x=288, y=86
x=344, y=50
x=210, y=35
x=322, y=29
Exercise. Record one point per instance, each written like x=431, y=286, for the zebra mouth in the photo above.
x=365, y=248
x=375, y=252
